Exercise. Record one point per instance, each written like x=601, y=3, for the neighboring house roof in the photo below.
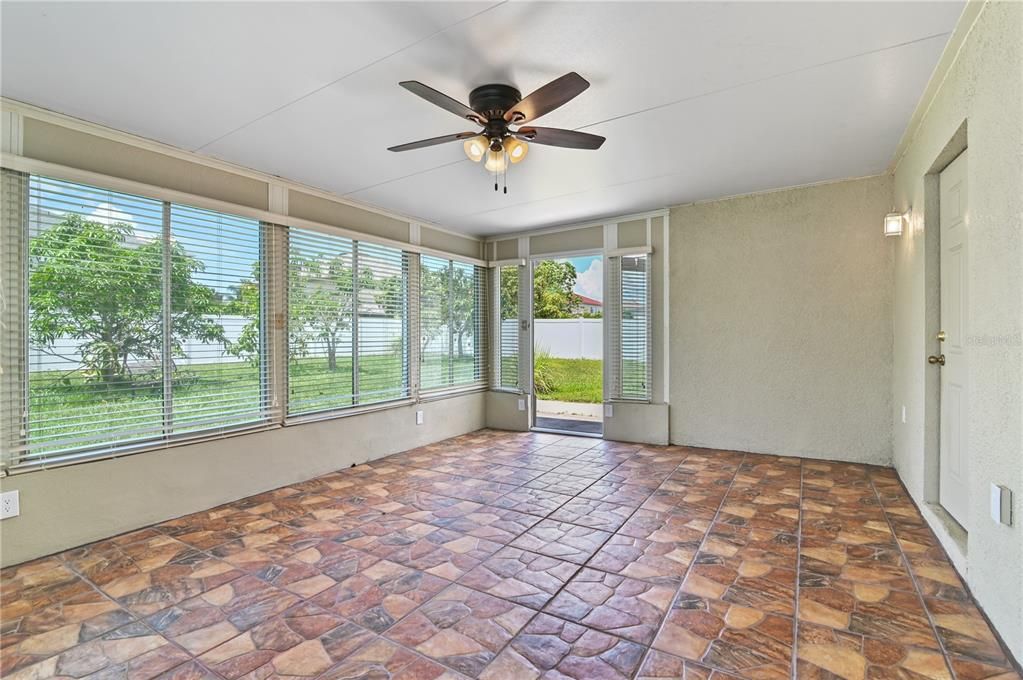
x=589, y=301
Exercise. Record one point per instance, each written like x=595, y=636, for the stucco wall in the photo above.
x=984, y=89
x=69, y=506
x=781, y=322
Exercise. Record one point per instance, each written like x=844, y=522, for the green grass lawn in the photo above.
x=575, y=380
x=64, y=406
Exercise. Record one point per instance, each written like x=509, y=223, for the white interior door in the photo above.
x=954, y=444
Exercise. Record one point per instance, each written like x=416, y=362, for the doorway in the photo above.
x=568, y=344
x=951, y=360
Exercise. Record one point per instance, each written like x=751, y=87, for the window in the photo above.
x=136, y=312
x=347, y=323
x=451, y=323
x=507, y=360
x=629, y=327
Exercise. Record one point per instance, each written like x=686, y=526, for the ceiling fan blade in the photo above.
x=570, y=139
x=547, y=98
x=442, y=100
x=433, y=141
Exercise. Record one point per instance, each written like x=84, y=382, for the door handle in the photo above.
x=940, y=359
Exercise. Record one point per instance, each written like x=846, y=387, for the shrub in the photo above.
x=545, y=379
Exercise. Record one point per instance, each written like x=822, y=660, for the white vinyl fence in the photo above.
x=63, y=354
x=570, y=338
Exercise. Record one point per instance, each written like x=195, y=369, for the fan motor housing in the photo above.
x=491, y=101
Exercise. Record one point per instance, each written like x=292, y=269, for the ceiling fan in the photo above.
x=496, y=108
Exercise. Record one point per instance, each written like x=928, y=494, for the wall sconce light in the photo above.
x=893, y=223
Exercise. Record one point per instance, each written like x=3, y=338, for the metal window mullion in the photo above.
x=355, y=323
x=14, y=383
x=414, y=341
x=448, y=322
x=167, y=358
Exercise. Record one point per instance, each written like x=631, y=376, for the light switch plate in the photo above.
x=903, y=413
x=609, y=410
x=522, y=404
x=419, y=417
x=1001, y=504
x=10, y=504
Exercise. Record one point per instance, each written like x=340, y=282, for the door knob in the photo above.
x=940, y=359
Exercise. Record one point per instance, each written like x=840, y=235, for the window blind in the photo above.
x=630, y=366
x=507, y=360
x=132, y=309
x=219, y=351
x=347, y=322
x=452, y=324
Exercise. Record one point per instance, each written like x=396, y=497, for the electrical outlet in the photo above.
x=419, y=417
x=10, y=504
x=522, y=404
x=609, y=410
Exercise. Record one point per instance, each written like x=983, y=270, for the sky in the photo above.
x=589, y=276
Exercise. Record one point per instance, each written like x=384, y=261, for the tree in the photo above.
x=101, y=284
x=552, y=290
x=320, y=301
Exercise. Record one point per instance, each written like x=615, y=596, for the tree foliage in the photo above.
x=454, y=289
x=102, y=285
x=552, y=290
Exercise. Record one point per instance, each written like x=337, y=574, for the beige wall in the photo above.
x=69, y=506
x=781, y=322
x=983, y=88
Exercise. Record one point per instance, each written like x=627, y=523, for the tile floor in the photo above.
x=501, y=555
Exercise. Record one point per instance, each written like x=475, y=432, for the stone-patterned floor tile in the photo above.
x=964, y=632
x=501, y=525
x=48, y=631
x=758, y=585
x=661, y=666
x=519, y=576
x=530, y=461
x=108, y=561
x=380, y=595
x=866, y=609
x=532, y=501
x=595, y=514
x=598, y=535
x=557, y=482
x=588, y=468
x=190, y=670
x=562, y=540
x=623, y=494
x=656, y=561
x=622, y=606
x=298, y=647
x=462, y=628
x=132, y=651
x=552, y=648
x=825, y=653
x=381, y=659
x=867, y=565
x=444, y=553
x=151, y=591
x=751, y=507
x=467, y=488
x=732, y=638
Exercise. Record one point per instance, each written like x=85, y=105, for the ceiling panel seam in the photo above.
x=346, y=76
x=676, y=102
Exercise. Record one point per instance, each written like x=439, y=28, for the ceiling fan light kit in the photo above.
x=495, y=108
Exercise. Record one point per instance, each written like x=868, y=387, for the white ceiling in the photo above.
x=697, y=100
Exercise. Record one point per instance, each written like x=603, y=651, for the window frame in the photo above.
x=407, y=388
x=18, y=447
x=276, y=223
